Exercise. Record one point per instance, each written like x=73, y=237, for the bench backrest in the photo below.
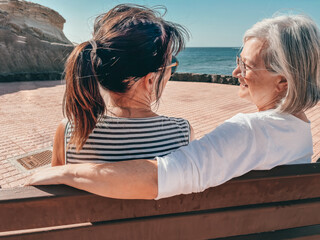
x=282, y=201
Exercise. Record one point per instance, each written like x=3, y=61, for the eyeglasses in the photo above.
x=174, y=65
x=242, y=65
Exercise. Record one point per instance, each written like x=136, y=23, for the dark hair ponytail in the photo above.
x=82, y=100
x=128, y=42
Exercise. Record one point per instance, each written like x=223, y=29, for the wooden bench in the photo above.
x=283, y=203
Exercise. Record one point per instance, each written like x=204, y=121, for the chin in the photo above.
x=244, y=95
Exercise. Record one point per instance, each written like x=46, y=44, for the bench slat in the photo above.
x=200, y=225
x=299, y=233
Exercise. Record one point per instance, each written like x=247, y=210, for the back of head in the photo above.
x=132, y=41
x=129, y=41
x=293, y=51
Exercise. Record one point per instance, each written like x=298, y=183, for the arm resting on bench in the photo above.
x=127, y=180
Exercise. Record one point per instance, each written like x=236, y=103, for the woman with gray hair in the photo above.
x=279, y=71
x=289, y=47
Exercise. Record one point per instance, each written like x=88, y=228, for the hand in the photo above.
x=46, y=176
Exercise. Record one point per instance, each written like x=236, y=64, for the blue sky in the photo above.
x=212, y=23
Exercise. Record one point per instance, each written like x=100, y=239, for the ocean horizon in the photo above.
x=208, y=60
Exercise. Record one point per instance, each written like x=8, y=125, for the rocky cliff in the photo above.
x=32, y=43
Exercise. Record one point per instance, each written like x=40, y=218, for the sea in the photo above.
x=208, y=60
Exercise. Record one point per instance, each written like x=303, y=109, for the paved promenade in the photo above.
x=31, y=111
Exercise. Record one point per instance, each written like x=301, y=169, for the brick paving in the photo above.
x=31, y=111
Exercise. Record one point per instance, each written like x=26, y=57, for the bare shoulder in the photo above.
x=63, y=124
x=58, y=154
x=61, y=130
x=192, y=134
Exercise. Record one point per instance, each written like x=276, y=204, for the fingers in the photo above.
x=32, y=180
x=27, y=182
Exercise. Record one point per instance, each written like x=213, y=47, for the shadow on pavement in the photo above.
x=12, y=87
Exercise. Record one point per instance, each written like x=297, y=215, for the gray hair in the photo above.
x=293, y=51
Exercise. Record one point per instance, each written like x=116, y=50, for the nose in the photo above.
x=236, y=72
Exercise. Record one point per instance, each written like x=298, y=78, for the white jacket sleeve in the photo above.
x=210, y=161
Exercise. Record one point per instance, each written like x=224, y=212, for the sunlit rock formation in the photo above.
x=32, y=43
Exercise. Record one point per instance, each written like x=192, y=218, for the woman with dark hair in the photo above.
x=112, y=82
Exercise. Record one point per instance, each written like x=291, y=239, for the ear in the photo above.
x=148, y=81
x=282, y=84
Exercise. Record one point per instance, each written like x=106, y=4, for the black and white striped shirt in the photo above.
x=119, y=139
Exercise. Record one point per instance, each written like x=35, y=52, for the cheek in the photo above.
x=254, y=83
x=165, y=79
x=167, y=75
x=261, y=89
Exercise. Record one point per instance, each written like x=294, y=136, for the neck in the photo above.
x=126, y=112
x=265, y=108
x=265, y=105
x=122, y=106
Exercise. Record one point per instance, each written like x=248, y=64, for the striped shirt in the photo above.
x=119, y=139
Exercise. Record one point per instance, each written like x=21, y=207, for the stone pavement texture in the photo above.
x=31, y=111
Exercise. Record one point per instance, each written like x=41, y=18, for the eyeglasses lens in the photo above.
x=242, y=66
